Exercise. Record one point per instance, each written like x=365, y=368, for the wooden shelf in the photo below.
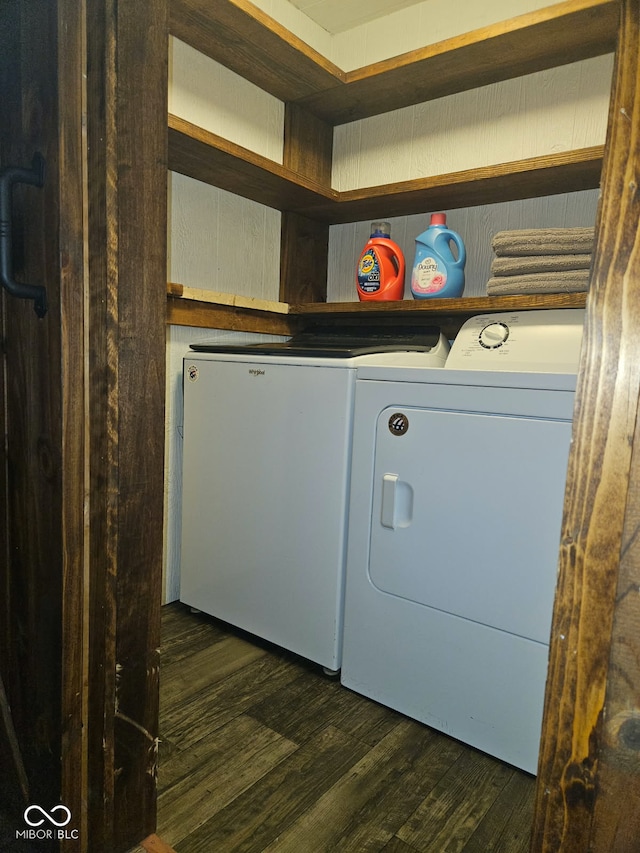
x=202, y=308
x=210, y=158
x=557, y=35
x=207, y=157
x=448, y=314
x=187, y=307
x=243, y=38
x=465, y=305
x=535, y=177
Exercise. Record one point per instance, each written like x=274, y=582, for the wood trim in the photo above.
x=72, y=203
x=187, y=312
x=102, y=563
x=126, y=245
x=140, y=162
x=215, y=298
x=588, y=790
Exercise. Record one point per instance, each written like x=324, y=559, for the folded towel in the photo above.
x=539, y=263
x=544, y=241
x=572, y=281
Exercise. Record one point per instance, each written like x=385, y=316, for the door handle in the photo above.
x=8, y=177
x=388, y=509
x=396, y=503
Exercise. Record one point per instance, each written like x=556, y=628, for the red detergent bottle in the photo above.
x=381, y=267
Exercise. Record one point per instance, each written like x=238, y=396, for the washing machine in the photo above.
x=266, y=465
x=457, y=491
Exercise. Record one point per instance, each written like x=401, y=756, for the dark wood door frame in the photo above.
x=588, y=791
x=127, y=62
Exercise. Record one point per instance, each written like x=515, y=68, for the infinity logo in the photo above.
x=48, y=815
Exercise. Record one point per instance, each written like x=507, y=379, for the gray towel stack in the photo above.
x=541, y=260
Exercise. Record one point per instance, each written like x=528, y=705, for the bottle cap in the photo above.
x=438, y=219
x=380, y=229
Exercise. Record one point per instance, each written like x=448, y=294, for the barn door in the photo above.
x=42, y=410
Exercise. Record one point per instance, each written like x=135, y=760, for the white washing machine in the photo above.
x=457, y=491
x=266, y=464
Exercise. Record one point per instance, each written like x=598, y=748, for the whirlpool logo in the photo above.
x=46, y=825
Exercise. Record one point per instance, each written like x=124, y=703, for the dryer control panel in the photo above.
x=539, y=341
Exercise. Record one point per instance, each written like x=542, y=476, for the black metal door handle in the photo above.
x=8, y=177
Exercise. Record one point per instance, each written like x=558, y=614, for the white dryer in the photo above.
x=456, y=502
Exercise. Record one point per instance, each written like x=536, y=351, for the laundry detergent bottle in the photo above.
x=381, y=267
x=437, y=270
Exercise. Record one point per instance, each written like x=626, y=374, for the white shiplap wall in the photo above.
x=220, y=242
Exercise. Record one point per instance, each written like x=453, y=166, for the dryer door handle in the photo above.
x=397, y=502
x=388, y=514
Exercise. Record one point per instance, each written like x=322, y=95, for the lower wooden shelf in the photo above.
x=224, y=311
x=448, y=314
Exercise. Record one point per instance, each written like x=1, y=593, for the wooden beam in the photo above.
x=588, y=792
x=126, y=247
x=304, y=242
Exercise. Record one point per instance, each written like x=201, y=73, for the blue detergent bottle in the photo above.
x=437, y=271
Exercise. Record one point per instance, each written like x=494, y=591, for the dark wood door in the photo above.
x=42, y=414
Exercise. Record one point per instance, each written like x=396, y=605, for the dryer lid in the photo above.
x=337, y=343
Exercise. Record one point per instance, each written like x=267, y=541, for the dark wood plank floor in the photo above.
x=260, y=751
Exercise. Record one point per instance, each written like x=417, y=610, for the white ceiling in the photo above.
x=335, y=16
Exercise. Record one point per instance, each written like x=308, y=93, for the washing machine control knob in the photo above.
x=493, y=335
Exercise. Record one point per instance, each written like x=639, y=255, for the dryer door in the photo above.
x=467, y=511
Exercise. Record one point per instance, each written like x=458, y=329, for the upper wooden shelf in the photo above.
x=214, y=160
x=210, y=158
x=243, y=38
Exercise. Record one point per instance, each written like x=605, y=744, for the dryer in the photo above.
x=456, y=502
